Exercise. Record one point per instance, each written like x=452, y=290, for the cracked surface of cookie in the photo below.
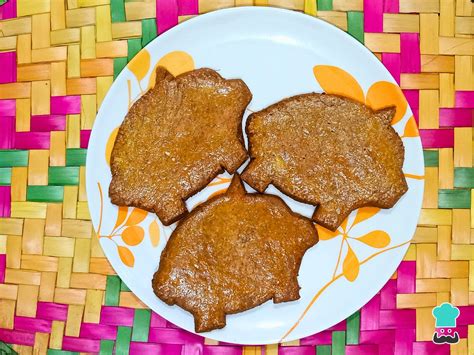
x=232, y=253
x=328, y=151
x=176, y=138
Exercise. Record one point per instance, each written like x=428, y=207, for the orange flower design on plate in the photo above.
x=127, y=227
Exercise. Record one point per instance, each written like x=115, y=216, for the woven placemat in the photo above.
x=59, y=294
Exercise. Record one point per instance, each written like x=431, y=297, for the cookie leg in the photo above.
x=170, y=210
x=234, y=157
x=331, y=217
x=289, y=291
x=256, y=176
x=207, y=320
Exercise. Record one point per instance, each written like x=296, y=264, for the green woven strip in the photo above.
x=117, y=11
x=61, y=352
x=122, y=346
x=324, y=5
x=13, y=158
x=76, y=157
x=454, y=198
x=353, y=328
x=338, y=343
x=112, y=290
x=134, y=46
x=3, y=2
x=45, y=193
x=141, y=325
x=464, y=177
x=119, y=64
x=355, y=25
x=106, y=347
x=5, y=176
x=124, y=287
x=60, y=175
x=148, y=31
x=6, y=349
x=323, y=350
x=431, y=158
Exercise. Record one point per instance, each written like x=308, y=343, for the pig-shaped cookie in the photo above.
x=328, y=151
x=176, y=139
x=232, y=253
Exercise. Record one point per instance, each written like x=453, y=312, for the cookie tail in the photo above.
x=256, y=176
x=170, y=210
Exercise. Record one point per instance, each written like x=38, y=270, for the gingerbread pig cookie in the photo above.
x=328, y=151
x=176, y=139
x=232, y=253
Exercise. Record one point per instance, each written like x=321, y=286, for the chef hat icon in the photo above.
x=445, y=315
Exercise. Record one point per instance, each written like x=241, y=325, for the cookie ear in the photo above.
x=386, y=114
x=236, y=187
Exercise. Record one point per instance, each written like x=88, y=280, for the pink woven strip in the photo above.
x=8, y=65
x=373, y=16
x=456, y=117
x=386, y=348
x=7, y=137
x=192, y=349
x=117, y=316
x=5, y=201
x=462, y=331
x=437, y=138
x=8, y=10
x=32, y=140
x=166, y=14
x=16, y=337
x=98, y=331
x=339, y=326
x=369, y=314
x=322, y=338
x=466, y=316
x=188, y=7
x=296, y=350
x=388, y=295
x=391, y=6
x=410, y=52
x=465, y=99
x=392, y=63
x=406, y=277
x=51, y=311
x=377, y=336
x=404, y=339
x=413, y=98
x=400, y=318
x=430, y=348
x=3, y=266
x=153, y=349
x=32, y=325
x=173, y=336
x=157, y=321
x=7, y=107
x=81, y=345
x=85, y=136
x=63, y=105
x=362, y=350
x=48, y=123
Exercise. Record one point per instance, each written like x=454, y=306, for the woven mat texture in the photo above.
x=59, y=294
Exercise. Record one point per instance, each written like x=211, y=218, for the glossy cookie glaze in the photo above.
x=176, y=139
x=327, y=151
x=232, y=253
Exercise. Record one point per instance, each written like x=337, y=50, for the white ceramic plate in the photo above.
x=278, y=53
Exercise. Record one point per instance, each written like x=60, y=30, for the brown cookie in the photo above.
x=232, y=253
x=328, y=151
x=176, y=139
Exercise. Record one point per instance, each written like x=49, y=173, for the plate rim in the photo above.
x=235, y=11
